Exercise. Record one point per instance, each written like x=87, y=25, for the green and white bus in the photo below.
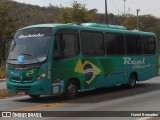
x=55, y=59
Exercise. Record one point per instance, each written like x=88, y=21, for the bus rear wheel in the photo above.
x=71, y=89
x=132, y=81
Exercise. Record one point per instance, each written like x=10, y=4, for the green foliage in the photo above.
x=4, y=23
x=146, y=22
x=4, y=11
x=130, y=22
x=76, y=13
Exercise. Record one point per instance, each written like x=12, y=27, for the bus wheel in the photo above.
x=132, y=81
x=34, y=96
x=71, y=89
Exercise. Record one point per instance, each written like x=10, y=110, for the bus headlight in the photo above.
x=42, y=75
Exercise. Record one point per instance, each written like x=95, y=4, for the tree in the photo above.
x=76, y=13
x=4, y=10
x=130, y=22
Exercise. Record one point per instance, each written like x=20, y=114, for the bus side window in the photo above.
x=92, y=43
x=133, y=44
x=115, y=43
x=59, y=46
x=66, y=45
x=149, y=45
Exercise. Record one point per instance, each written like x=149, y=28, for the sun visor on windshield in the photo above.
x=33, y=32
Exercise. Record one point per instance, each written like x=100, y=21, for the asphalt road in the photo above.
x=144, y=97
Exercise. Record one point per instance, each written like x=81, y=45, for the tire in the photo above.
x=71, y=89
x=132, y=81
x=34, y=96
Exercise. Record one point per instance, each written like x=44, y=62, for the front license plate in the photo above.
x=21, y=93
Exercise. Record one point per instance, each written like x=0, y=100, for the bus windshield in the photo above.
x=30, y=45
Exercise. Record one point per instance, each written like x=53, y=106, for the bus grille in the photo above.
x=26, y=79
x=22, y=88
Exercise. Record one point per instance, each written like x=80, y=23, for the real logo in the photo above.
x=128, y=60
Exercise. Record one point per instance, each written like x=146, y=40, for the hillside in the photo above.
x=26, y=14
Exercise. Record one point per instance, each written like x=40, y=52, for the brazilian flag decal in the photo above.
x=88, y=69
x=30, y=73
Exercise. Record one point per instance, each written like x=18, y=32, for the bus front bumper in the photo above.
x=39, y=87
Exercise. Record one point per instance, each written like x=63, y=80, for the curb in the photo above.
x=2, y=80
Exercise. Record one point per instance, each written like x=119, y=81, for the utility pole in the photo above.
x=106, y=12
x=138, y=19
x=124, y=8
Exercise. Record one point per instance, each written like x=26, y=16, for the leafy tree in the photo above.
x=76, y=13
x=130, y=22
x=148, y=23
x=4, y=11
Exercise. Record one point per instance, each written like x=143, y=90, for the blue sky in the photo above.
x=114, y=6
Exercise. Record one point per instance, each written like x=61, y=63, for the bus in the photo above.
x=63, y=59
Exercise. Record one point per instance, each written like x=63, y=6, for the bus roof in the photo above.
x=93, y=26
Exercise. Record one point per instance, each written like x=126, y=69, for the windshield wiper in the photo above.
x=30, y=55
x=17, y=61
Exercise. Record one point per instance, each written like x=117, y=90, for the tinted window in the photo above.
x=66, y=43
x=115, y=44
x=92, y=43
x=134, y=44
x=149, y=44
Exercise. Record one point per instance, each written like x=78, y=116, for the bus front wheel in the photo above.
x=132, y=81
x=71, y=89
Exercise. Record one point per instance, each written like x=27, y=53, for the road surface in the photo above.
x=145, y=97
